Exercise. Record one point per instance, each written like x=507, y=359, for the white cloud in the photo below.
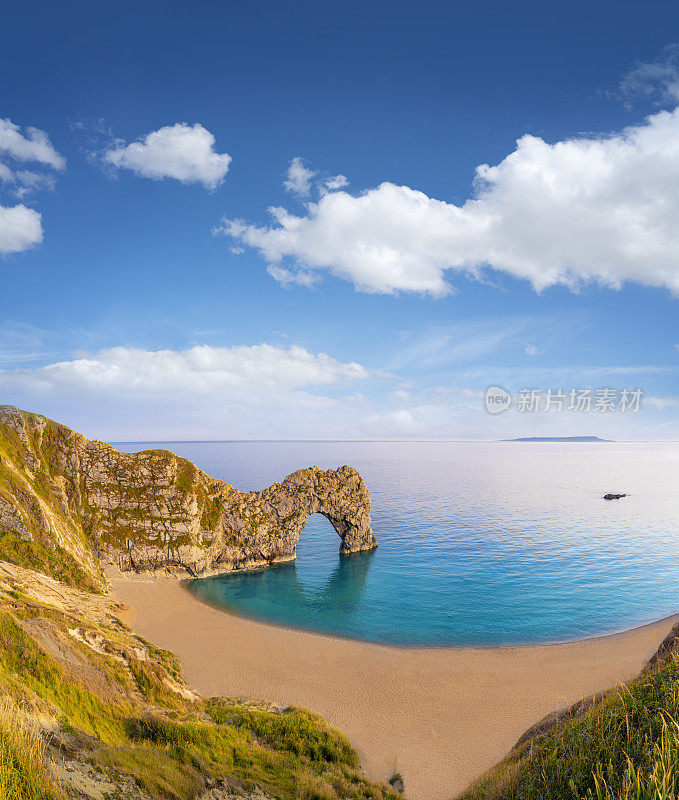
x=34, y=145
x=261, y=391
x=655, y=80
x=28, y=181
x=531, y=350
x=201, y=370
x=181, y=151
x=287, y=277
x=299, y=178
x=20, y=229
x=25, y=181
x=598, y=208
x=335, y=182
x=268, y=391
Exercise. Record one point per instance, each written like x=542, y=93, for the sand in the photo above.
x=439, y=716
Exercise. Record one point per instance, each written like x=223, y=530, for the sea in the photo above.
x=480, y=543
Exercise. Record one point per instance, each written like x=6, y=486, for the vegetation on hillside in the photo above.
x=120, y=710
x=51, y=560
x=24, y=774
x=38, y=548
x=625, y=747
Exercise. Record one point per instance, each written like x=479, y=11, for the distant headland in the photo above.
x=557, y=439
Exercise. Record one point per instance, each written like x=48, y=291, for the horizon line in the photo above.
x=373, y=441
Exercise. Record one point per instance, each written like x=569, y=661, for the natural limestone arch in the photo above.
x=154, y=509
x=339, y=495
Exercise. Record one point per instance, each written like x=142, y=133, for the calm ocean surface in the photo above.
x=480, y=543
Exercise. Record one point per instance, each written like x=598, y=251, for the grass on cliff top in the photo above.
x=625, y=748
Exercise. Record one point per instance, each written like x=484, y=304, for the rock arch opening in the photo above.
x=316, y=554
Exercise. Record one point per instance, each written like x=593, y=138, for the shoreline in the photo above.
x=440, y=716
x=184, y=582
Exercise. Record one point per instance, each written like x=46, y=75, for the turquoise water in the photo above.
x=480, y=543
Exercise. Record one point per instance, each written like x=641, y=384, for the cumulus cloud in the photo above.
x=33, y=145
x=200, y=370
x=180, y=151
x=596, y=208
x=20, y=226
x=20, y=229
x=299, y=178
x=204, y=392
x=223, y=392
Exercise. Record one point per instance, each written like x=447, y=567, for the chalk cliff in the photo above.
x=81, y=499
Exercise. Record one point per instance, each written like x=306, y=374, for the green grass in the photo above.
x=185, y=474
x=294, y=731
x=149, y=679
x=172, y=748
x=53, y=561
x=160, y=776
x=625, y=748
x=212, y=509
x=171, y=759
x=286, y=767
x=27, y=667
x=23, y=769
x=164, y=657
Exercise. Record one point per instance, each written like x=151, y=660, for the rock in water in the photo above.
x=154, y=509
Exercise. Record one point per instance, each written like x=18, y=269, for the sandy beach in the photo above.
x=439, y=716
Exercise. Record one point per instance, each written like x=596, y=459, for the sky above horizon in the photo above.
x=341, y=221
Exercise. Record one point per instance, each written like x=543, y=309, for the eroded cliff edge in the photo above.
x=64, y=493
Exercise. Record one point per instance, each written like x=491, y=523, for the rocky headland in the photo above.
x=88, y=709
x=84, y=501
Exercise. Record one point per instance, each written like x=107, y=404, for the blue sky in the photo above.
x=150, y=293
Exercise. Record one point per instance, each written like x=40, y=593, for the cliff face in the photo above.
x=154, y=509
